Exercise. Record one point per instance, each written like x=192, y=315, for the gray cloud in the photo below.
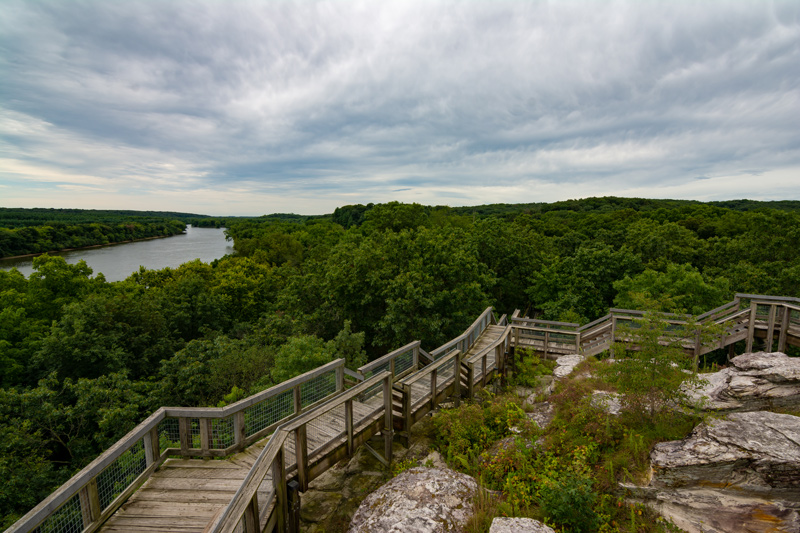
x=242, y=107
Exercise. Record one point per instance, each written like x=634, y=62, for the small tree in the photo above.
x=653, y=361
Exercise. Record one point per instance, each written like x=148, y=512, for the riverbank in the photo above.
x=91, y=246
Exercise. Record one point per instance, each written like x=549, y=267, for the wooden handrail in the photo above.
x=390, y=358
x=234, y=512
x=147, y=432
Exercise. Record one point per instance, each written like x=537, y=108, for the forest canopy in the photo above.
x=82, y=360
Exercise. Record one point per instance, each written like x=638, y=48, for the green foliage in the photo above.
x=649, y=375
x=530, y=368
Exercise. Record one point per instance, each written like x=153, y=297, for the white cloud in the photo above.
x=255, y=106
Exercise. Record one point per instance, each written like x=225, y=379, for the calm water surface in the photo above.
x=118, y=261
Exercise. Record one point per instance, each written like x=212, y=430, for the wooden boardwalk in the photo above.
x=185, y=495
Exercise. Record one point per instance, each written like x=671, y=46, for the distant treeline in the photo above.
x=16, y=217
x=33, y=231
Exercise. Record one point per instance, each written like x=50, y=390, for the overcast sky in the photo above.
x=246, y=108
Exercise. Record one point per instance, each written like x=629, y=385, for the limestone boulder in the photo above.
x=419, y=500
x=755, y=381
x=566, y=364
x=742, y=469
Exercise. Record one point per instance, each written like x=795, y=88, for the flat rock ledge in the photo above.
x=755, y=381
x=744, y=469
x=419, y=500
x=566, y=364
x=519, y=525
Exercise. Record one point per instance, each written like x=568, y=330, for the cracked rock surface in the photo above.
x=755, y=381
x=419, y=500
x=740, y=473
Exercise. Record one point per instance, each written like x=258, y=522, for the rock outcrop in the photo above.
x=519, y=525
x=419, y=500
x=741, y=473
x=566, y=364
x=755, y=381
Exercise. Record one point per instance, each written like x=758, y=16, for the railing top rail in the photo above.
x=707, y=314
x=503, y=320
x=595, y=322
x=524, y=327
x=423, y=372
x=448, y=344
x=488, y=311
x=336, y=401
x=767, y=298
x=388, y=357
x=548, y=322
x=222, y=412
x=620, y=313
x=253, y=479
x=38, y=514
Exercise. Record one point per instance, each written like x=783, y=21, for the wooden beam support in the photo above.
x=279, y=485
x=90, y=503
x=751, y=327
x=184, y=429
x=348, y=425
x=239, y=430
x=301, y=453
x=770, y=327
x=784, y=330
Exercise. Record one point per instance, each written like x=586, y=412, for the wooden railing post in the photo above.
x=340, y=378
x=434, y=375
x=416, y=357
x=184, y=429
x=279, y=485
x=348, y=425
x=546, y=342
x=483, y=369
x=90, y=503
x=388, y=427
x=391, y=367
x=239, y=430
x=407, y=409
x=251, y=521
x=770, y=327
x=152, y=449
x=751, y=327
x=457, y=375
x=784, y=329
x=293, y=489
x=301, y=453
x=298, y=400
x=205, y=435
x=471, y=378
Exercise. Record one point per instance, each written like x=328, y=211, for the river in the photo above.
x=118, y=261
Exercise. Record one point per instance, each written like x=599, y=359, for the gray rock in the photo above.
x=519, y=525
x=566, y=364
x=607, y=401
x=542, y=414
x=419, y=500
x=756, y=381
x=743, y=469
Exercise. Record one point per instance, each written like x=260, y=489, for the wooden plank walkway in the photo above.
x=184, y=495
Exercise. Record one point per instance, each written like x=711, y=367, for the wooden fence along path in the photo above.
x=161, y=476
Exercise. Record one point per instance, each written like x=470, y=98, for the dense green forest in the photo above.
x=33, y=231
x=82, y=361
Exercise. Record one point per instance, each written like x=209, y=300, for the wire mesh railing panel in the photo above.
x=377, y=370
x=421, y=390
x=373, y=396
x=266, y=413
x=67, y=519
x=169, y=434
x=194, y=433
x=112, y=481
x=403, y=362
x=223, y=433
x=317, y=388
x=445, y=376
